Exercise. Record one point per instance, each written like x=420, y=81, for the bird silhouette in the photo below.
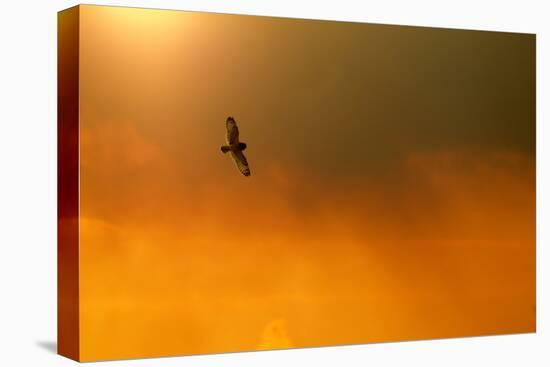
x=235, y=147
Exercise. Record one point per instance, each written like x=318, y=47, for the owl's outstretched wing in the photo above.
x=232, y=136
x=242, y=163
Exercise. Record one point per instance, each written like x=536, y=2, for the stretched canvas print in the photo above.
x=236, y=183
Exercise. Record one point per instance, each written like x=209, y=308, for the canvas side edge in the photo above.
x=68, y=320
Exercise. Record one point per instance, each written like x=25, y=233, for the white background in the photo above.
x=28, y=183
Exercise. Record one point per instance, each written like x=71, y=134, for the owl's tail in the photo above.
x=225, y=148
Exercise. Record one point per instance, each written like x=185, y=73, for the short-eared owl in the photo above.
x=235, y=146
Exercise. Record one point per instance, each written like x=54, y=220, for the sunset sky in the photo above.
x=392, y=194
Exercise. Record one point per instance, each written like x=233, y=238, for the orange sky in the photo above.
x=392, y=194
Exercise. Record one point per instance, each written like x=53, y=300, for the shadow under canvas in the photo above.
x=48, y=345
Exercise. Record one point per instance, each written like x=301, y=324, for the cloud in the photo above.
x=435, y=254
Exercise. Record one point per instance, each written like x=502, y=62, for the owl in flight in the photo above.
x=235, y=147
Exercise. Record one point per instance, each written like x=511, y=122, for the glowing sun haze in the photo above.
x=392, y=194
